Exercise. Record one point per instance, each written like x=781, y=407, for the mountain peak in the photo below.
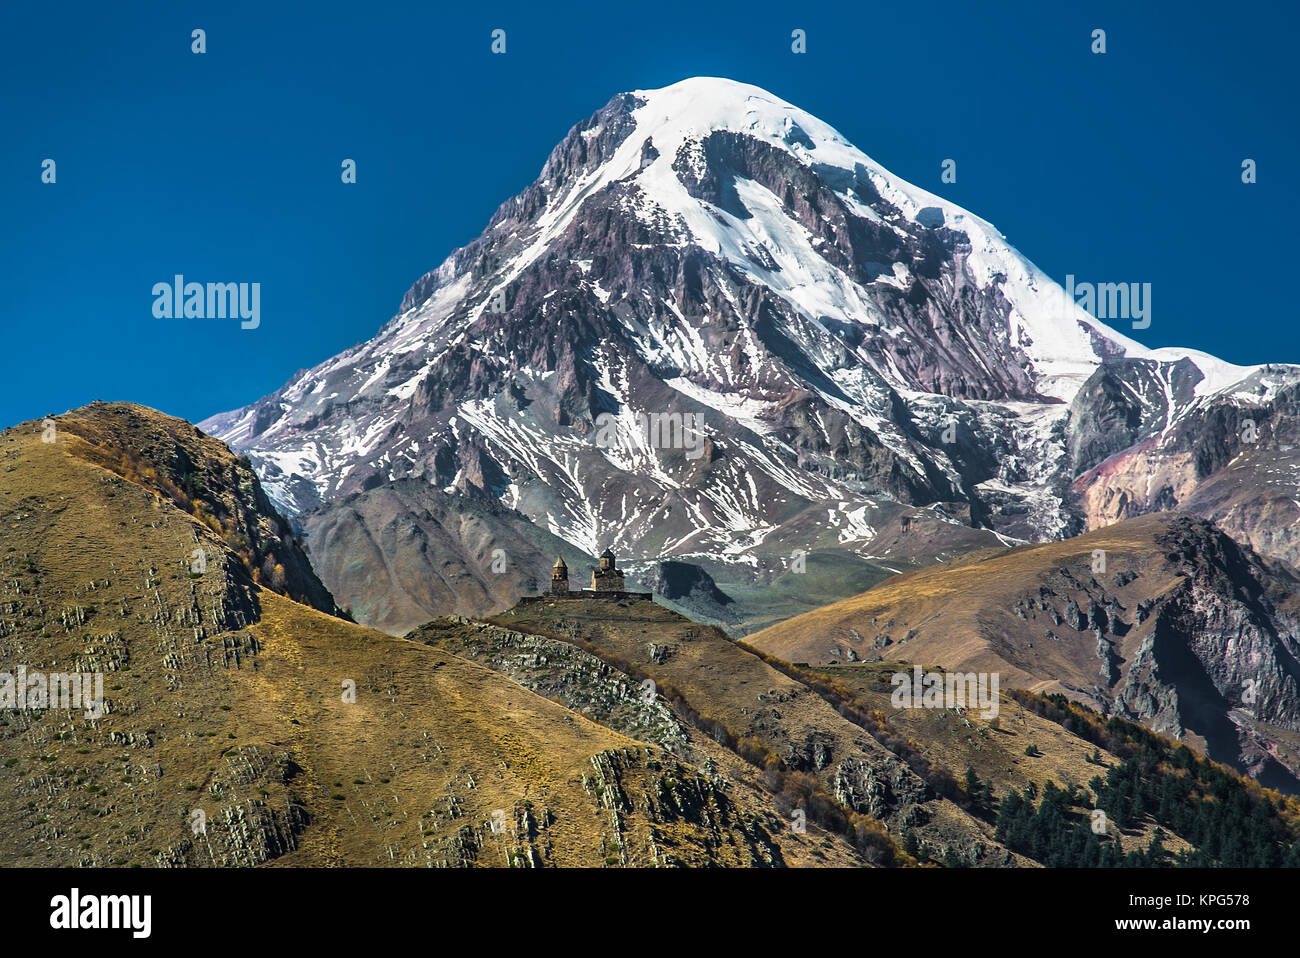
x=702, y=104
x=680, y=158
x=713, y=330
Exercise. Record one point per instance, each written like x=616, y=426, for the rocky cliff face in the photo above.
x=711, y=317
x=1220, y=660
x=1236, y=461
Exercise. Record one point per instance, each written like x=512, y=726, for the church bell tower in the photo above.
x=559, y=577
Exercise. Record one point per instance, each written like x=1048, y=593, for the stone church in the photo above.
x=606, y=582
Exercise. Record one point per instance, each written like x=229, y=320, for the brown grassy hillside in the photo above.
x=227, y=699
x=1162, y=619
x=774, y=720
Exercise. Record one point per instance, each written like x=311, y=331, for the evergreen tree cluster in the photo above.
x=1207, y=806
x=1058, y=835
x=1212, y=810
x=1229, y=820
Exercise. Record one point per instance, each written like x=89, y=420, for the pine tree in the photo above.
x=911, y=845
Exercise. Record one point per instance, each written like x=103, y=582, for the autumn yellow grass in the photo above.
x=297, y=738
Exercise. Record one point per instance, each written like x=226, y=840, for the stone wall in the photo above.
x=585, y=594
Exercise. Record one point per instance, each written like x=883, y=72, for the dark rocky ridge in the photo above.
x=197, y=473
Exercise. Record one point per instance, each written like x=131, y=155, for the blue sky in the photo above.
x=1122, y=167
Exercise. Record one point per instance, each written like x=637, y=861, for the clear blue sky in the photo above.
x=225, y=166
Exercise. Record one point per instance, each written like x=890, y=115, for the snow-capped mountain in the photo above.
x=714, y=330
